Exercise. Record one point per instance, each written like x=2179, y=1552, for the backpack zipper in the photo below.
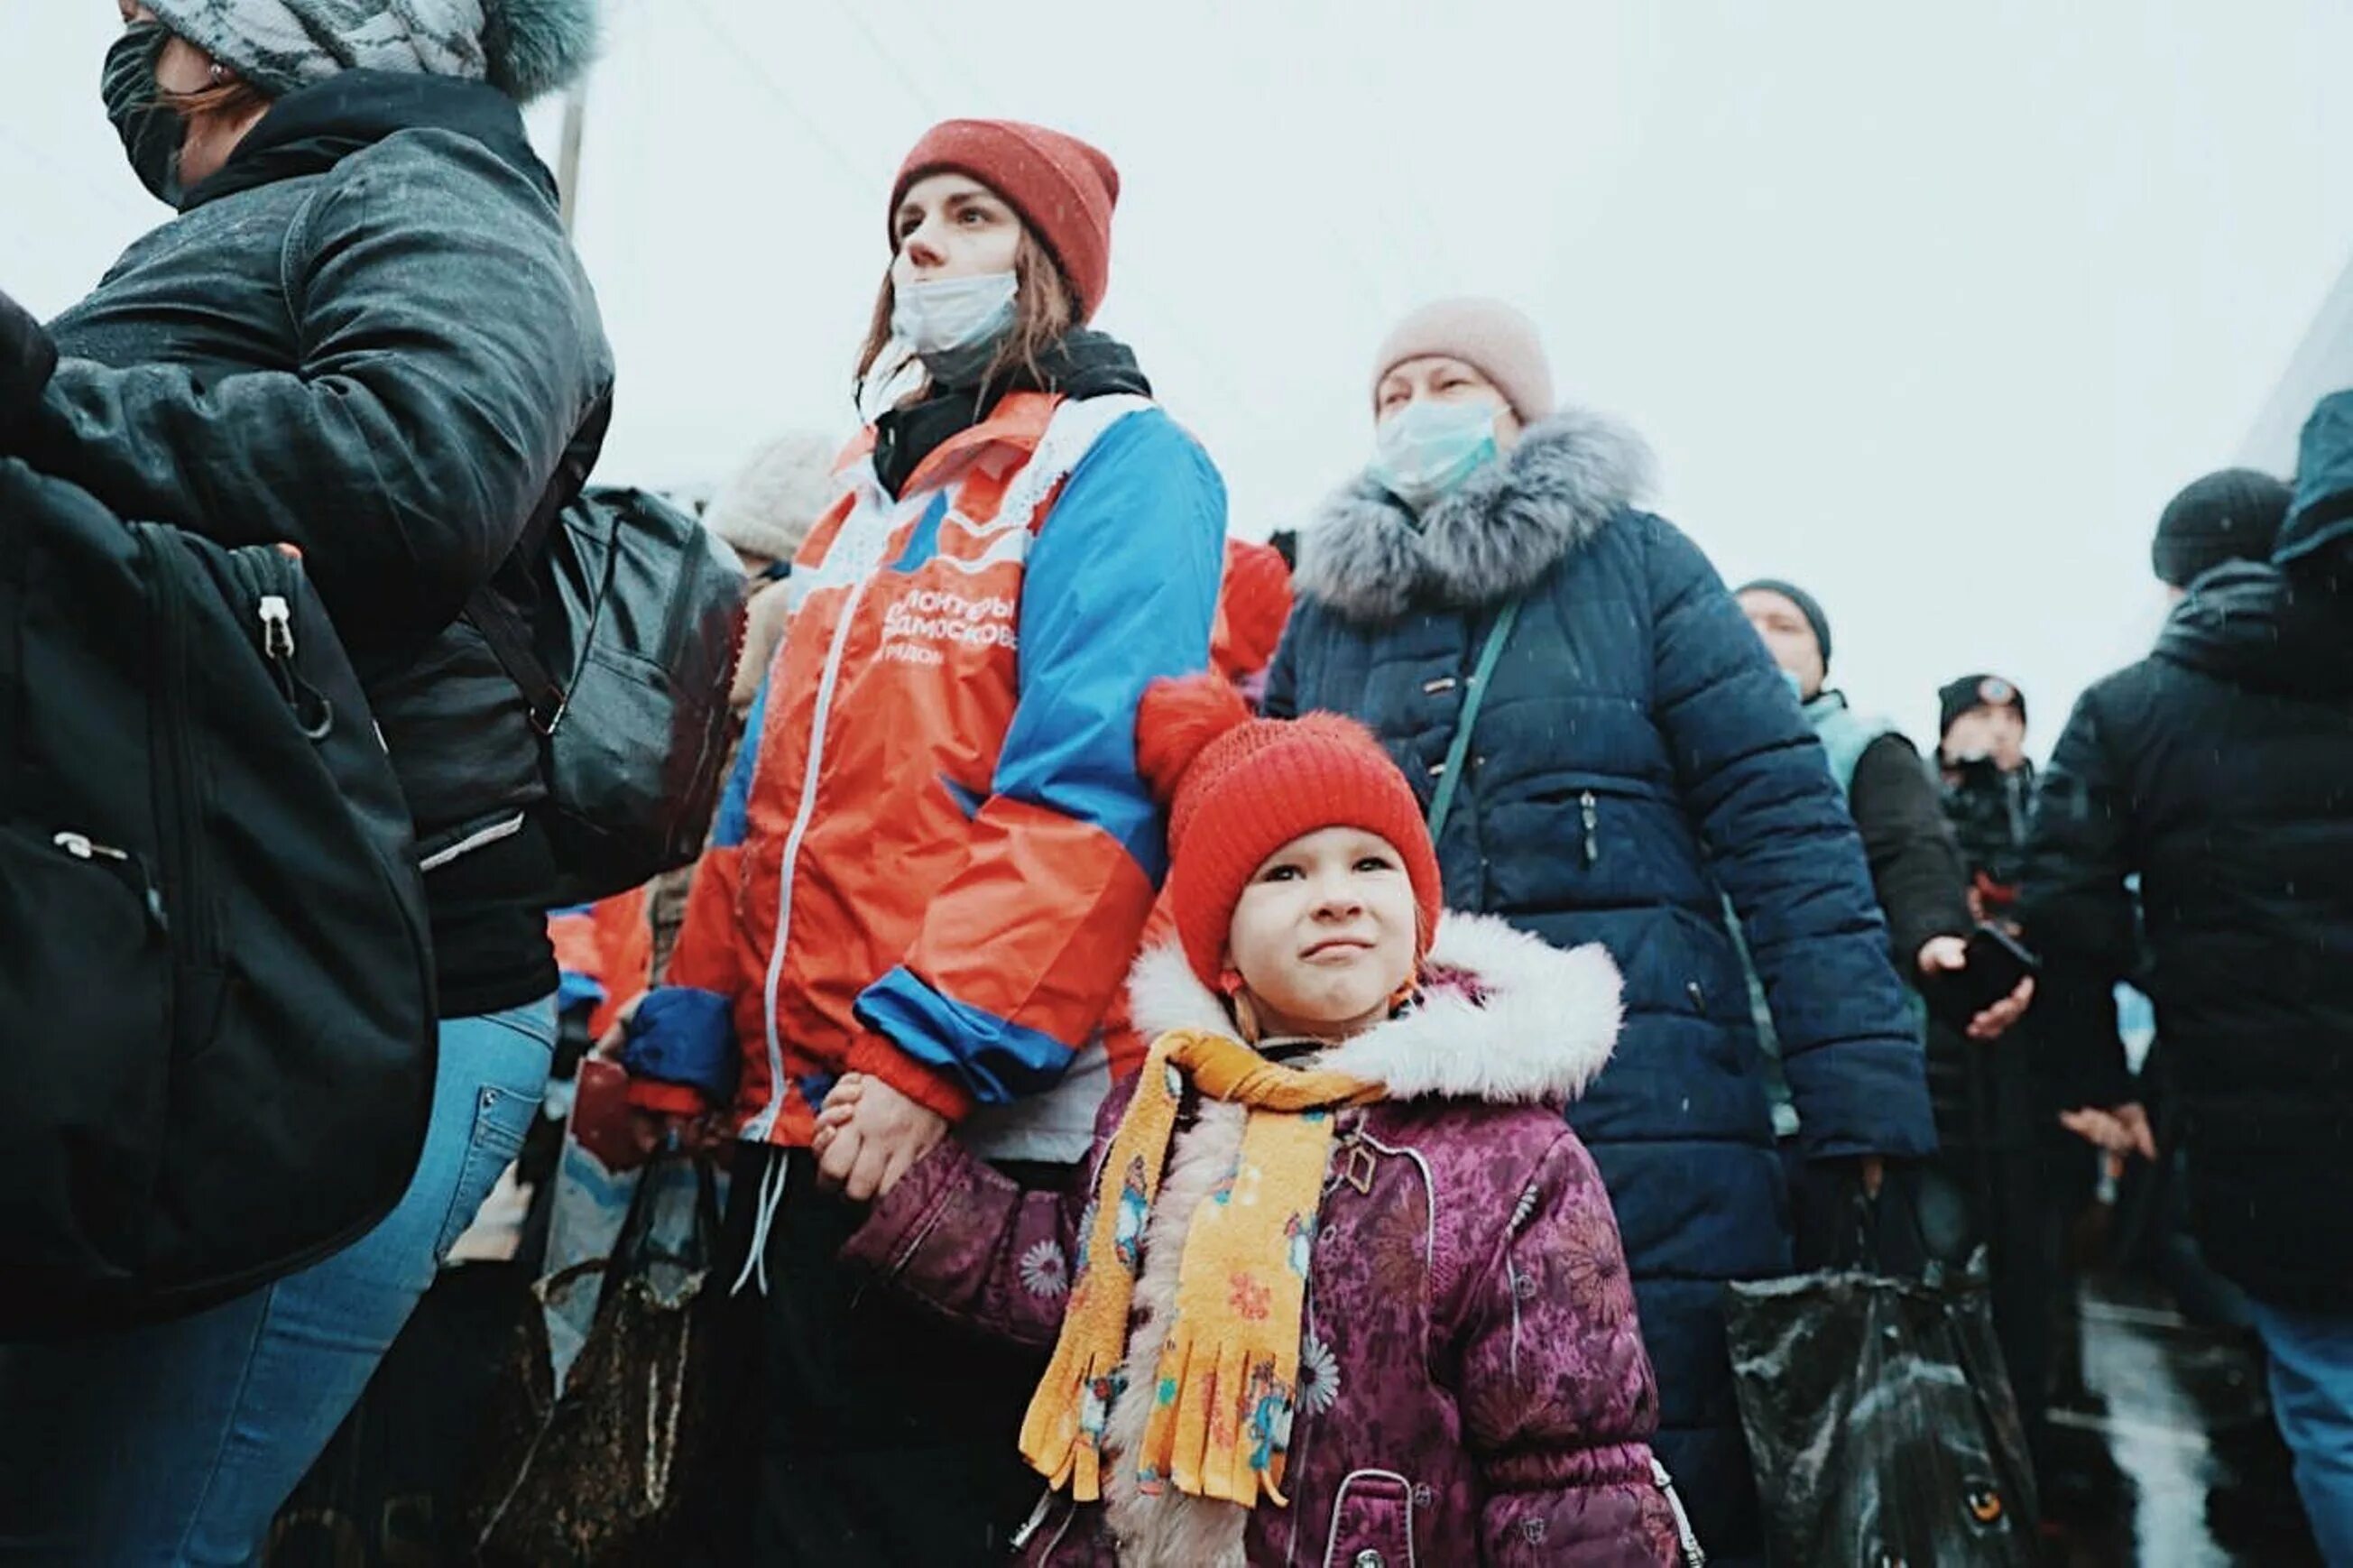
x=184, y=845
x=1589, y=811
x=131, y=868
x=273, y=580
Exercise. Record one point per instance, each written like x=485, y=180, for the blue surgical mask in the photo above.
x=1426, y=449
x=954, y=324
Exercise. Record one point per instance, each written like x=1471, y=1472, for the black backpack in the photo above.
x=217, y=1011
x=626, y=666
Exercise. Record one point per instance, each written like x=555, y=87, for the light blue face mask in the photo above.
x=1426, y=449
x=954, y=324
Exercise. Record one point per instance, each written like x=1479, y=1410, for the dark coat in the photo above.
x=1915, y=867
x=1990, y=810
x=367, y=337
x=1637, y=758
x=2221, y=770
x=1922, y=879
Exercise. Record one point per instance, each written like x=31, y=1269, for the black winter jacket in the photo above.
x=368, y=337
x=1915, y=867
x=2221, y=769
x=1989, y=811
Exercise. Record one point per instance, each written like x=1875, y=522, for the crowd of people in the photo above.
x=1222, y=1053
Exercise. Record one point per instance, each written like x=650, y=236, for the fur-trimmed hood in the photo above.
x=1369, y=558
x=1505, y=1017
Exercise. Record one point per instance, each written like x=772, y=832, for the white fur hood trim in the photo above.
x=1506, y=1018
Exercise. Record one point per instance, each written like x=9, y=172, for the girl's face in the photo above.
x=1324, y=934
x=951, y=226
x=1441, y=380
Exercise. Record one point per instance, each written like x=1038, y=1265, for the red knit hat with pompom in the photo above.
x=1239, y=788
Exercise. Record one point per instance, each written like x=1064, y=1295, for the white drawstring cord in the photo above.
x=772, y=1197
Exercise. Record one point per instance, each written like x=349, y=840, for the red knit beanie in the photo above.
x=1063, y=189
x=1239, y=788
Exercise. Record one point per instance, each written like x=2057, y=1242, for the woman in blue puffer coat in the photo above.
x=1633, y=759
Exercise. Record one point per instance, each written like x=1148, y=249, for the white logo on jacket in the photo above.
x=915, y=626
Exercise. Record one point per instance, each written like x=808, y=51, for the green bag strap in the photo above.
x=1449, y=777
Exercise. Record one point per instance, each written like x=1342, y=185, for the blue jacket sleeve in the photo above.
x=1024, y=949
x=1784, y=848
x=681, y=1035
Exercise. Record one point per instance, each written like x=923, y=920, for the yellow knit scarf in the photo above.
x=1228, y=1373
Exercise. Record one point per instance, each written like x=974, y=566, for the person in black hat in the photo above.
x=1988, y=784
x=2216, y=771
x=2232, y=514
x=2012, y=1176
x=1966, y=1193
x=1915, y=866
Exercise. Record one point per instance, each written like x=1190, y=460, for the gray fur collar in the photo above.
x=1366, y=556
x=1506, y=1017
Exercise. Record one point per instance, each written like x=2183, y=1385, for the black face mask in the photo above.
x=151, y=133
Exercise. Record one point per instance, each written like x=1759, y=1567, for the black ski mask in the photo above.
x=151, y=133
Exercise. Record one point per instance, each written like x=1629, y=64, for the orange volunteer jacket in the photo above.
x=935, y=858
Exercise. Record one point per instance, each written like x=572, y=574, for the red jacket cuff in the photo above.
x=877, y=1056
x=669, y=1099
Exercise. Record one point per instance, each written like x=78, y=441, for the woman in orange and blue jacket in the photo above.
x=936, y=857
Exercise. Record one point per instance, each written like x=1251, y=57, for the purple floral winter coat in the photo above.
x=1472, y=1385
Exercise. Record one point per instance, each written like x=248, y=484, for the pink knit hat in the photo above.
x=1488, y=335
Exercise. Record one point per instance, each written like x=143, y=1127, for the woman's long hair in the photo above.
x=230, y=100
x=1045, y=309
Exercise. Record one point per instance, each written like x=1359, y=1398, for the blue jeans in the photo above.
x=2312, y=1398
x=175, y=1443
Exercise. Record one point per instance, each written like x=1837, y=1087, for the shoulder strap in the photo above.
x=503, y=628
x=1450, y=776
x=510, y=642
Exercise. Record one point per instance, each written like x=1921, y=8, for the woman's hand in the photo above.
x=2121, y=1132
x=869, y=1135
x=1950, y=955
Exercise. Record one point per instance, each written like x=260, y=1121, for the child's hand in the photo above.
x=869, y=1135
x=834, y=1129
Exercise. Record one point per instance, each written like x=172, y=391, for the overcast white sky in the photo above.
x=1927, y=308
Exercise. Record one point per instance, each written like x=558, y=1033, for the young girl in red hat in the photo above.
x=1338, y=1284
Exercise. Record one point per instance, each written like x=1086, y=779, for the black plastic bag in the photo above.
x=598, y=1471
x=1880, y=1421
